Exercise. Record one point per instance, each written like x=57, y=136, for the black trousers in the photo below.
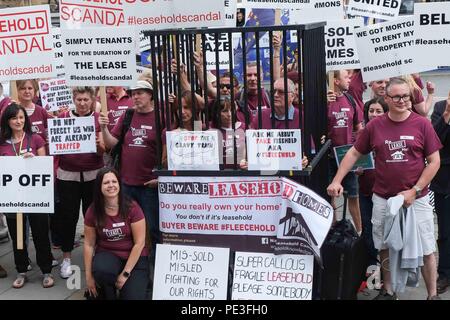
x=71, y=194
x=106, y=267
x=39, y=228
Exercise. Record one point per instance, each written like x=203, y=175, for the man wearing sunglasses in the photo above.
x=402, y=140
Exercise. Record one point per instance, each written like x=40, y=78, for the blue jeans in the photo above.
x=366, y=205
x=147, y=198
x=442, y=205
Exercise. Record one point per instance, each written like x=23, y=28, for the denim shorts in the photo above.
x=350, y=182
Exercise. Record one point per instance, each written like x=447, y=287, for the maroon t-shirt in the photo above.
x=84, y=161
x=38, y=121
x=401, y=149
x=252, y=101
x=138, y=149
x=116, y=236
x=294, y=123
x=341, y=119
x=356, y=90
x=226, y=135
x=31, y=143
x=4, y=103
x=116, y=108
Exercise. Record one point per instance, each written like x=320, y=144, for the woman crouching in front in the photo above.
x=115, y=253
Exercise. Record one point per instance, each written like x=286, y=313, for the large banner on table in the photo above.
x=243, y=213
x=388, y=50
x=26, y=185
x=99, y=57
x=190, y=273
x=432, y=31
x=26, y=46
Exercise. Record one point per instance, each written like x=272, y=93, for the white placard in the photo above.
x=26, y=45
x=162, y=14
x=71, y=135
x=388, y=50
x=55, y=94
x=192, y=150
x=58, y=61
x=26, y=185
x=340, y=46
x=274, y=149
x=278, y=4
x=432, y=32
x=99, y=57
x=190, y=273
x=263, y=276
x=230, y=13
x=324, y=10
x=380, y=9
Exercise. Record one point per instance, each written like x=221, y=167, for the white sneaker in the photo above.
x=66, y=269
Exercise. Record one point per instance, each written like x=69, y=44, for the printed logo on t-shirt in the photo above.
x=117, y=113
x=139, y=136
x=341, y=119
x=398, y=149
x=35, y=129
x=138, y=141
x=115, y=234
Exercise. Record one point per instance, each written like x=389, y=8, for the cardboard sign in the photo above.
x=381, y=9
x=274, y=149
x=192, y=150
x=365, y=162
x=340, y=44
x=190, y=273
x=26, y=46
x=432, y=32
x=99, y=57
x=388, y=50
x=263, y=276
x=71, y=135
x=26, y=185
x=55, y=94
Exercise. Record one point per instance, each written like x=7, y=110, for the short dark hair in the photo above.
x=380, y=101
x=396, y=81
x=9, y=112
x=227, y=74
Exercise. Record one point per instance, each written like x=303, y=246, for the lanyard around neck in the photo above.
x=17, y=152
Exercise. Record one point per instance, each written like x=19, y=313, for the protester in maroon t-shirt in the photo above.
x=343, y=122
x=75, y=177
x=26, y=92
x=366, y=179
x=419, y=104
x=114, y=230
x=280, y=113
x=4, y=101
x=187, y=122
x=139, y=155
x=402, y=141
x=378, y=88
x=118, y=101
x=17, y=139
x=222, y=121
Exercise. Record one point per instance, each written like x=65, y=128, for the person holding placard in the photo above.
x=373, y=108
x=402, y=141
x=343, y=123
x=115, y=255
x=17, y=139
x=75, y=177
x=419, y=104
